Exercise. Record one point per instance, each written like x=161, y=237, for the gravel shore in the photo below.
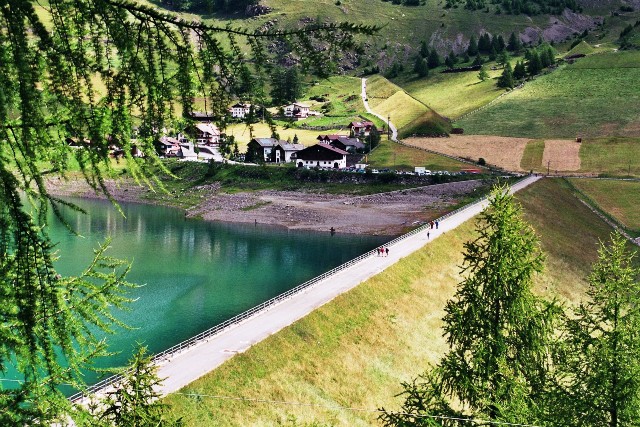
x=389, y=213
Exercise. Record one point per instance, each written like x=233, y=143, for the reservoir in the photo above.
x=194, y=274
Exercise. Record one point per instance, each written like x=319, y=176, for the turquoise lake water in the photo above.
x=196, y=274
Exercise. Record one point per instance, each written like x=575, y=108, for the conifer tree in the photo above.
x=497, y=330
x=434, y=60
x=472, y=49
x=514, y=44
x=600, y=364
x=506, y=78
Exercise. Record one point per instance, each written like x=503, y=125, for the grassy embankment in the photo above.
x=591, y=98
x=406, y=113
x=618, y=199
x=355, y=351
x=191, y=180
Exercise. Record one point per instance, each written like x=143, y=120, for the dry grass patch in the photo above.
x=503, y=152
x=561, y=155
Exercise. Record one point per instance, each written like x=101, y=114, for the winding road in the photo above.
x=363, y=94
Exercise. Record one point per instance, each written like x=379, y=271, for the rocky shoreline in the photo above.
x=390, y=213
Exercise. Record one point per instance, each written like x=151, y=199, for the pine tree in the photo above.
x=483, y=75
x=477, y=60
x=600, y=363
x=424, y=49
x=497, y=330
x=535, y=64
x=514, y=44
x=484, y=43
x=472, y=49
x=135, y=402
x=434, y=60
x=506, y=78
x=519, y=71
x=421, y=68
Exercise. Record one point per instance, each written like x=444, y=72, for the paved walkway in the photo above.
x=186, y=367
x=394, y=131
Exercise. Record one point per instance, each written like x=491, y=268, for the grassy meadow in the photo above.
x=532, y=156
x=594, y=97
x=355, y=351
x=611, y=156
x=455, y=94
x=395, y=156
x=619, y=199
x=407, y=113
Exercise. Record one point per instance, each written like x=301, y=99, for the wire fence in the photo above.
x=210, y=333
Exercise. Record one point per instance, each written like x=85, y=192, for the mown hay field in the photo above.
x=500, y=151
x=595, y=97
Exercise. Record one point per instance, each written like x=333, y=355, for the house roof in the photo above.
x=360, y=124
x=240, y=105
x=208, y=128
x=328, y=137
x=292, y=147
x=332, y=148
x=354, y=142
x=267, y=142
x=169, y=140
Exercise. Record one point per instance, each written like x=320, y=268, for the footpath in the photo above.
x=189, y=365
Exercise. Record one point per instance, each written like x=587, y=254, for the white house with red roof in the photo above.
x=322, y=156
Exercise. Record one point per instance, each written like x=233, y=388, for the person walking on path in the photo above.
x=437, y=224
x=427, y=235
x=387, y=250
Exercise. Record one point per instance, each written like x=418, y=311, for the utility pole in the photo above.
x=389, y=127
x=548, y=164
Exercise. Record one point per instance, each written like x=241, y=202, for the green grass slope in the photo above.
x=393, y=155
x=619, y=199
x=355, y=351
x=455, y=94
x=611, y=156
x=408, y=114
x=594, y=97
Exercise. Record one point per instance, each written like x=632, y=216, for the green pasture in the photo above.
x=594, y=97
x=532, y=156
x=455, y=94
x=395, y=156
x=611, y=156
x=619, y=199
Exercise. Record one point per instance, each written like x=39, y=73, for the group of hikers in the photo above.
x=382, y=251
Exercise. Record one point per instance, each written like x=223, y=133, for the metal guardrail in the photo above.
x=239, y=318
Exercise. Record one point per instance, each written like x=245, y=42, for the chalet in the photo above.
x=345, y=143
x=296, y=111
x=259, y=150
x=360, y=128
x=169, y=146
x=239, y=110
x=285, y=152
x=204, y=134
x=323, y=156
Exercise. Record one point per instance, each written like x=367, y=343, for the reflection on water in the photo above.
x=195, y=274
